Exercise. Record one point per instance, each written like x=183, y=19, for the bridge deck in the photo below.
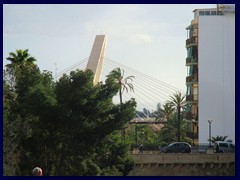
x=150, y=120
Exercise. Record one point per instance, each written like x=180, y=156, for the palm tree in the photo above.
x=21, y=57
x=124, y=83
x=219, y=138
x=18, y=61
x=177, y=102
x=165, y=113
x=169, y=133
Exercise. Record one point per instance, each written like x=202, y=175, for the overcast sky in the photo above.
x=149, y=38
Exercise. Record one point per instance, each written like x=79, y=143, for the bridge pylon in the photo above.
x=95, y=61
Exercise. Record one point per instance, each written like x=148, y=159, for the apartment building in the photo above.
x=210, y=81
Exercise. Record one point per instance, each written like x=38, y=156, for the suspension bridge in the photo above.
x=149, y=92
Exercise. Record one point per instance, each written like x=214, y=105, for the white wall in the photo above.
x=217, y=76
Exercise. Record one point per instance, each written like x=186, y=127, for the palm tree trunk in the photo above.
x=122, y=131
x=178, y=116
x=120, y=93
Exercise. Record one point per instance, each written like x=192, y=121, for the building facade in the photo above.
x=210, y=81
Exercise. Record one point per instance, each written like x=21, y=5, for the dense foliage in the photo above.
x=68, y=127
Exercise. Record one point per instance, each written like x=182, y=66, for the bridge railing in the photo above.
x=200, y=148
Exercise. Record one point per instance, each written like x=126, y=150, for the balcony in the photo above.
x=191, y=135
x=192, y=41
x=190, y=61
x=189, y=98
x=195, y=116
x=192, y=98
x=191, y=79
x=189, y=115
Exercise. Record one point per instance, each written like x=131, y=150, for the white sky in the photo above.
x=149, y=38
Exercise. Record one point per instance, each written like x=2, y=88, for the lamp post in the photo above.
x=193, y=121
x=210, y=122
x=136, y=133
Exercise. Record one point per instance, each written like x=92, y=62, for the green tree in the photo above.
x=123, y=82
x=64, y=127
x=116, y=156
x=20, y=58
x=169, y=133
x=87, y=111
x=19, y=77
x=177, y=101
x=10, y=140
x=165, y=113
x=18, y=61
x=30, y=111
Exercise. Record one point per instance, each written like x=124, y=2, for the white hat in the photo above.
x=37, y=171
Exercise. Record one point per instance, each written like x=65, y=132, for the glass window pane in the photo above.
x=213, y=13
x=201, y=13
x=207, y=12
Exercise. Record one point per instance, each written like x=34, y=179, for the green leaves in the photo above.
x=117, y=76
x=178, y=100
x=20, y=57
x=69, y=124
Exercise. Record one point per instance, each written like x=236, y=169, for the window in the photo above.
x=194, y=110
x=213, y=13
x=189, y=52
x=195, y=93
x=201, y=13
x=207, y=13
x=223, y=144
x=174, y=145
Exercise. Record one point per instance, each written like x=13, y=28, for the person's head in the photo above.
x=37, y=171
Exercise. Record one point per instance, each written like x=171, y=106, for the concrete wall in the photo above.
x=217, y=76
x=184, y=170
x=183, y=165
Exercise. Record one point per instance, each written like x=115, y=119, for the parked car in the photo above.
x=224, y=146
x=177, y=147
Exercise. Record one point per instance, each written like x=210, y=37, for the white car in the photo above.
x=224, y=146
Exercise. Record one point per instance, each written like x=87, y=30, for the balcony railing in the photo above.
x=189, y=98
x=192, y=97
x=192, y=41
x=189, y=115
x=191, y=79
x=191, y=61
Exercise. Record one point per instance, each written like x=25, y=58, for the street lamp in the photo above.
x=136, y=133
x=193, y=121
x=210, y=122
